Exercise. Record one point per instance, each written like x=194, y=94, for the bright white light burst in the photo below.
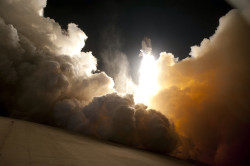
x=148, y=85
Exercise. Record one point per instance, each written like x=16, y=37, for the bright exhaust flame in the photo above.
x=148, y=85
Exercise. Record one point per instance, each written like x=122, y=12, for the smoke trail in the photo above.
x=207, y=95
x=115, y=62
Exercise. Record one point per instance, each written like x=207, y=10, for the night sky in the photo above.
x=173, y=25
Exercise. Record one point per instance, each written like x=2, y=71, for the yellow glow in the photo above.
x=148, y=85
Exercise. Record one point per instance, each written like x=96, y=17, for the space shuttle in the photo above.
x=146, y=46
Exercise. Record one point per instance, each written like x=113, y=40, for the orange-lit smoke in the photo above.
x=207, y=95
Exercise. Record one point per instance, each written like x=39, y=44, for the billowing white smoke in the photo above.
x=44, y=77
x=42, y=64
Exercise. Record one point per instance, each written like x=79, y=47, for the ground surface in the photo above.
x=24, y=143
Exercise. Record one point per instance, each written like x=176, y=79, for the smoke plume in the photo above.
x=243, y=6
x=207, y=95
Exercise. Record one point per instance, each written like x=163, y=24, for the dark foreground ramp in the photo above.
x=24, y=143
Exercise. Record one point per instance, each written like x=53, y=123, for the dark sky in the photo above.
x=172, y=25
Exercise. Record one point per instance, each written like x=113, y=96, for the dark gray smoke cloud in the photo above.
x=115, y=118
x=44, y=77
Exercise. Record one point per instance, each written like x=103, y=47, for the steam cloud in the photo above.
x=42, y=64
x=44, y=77
x=207, y=95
